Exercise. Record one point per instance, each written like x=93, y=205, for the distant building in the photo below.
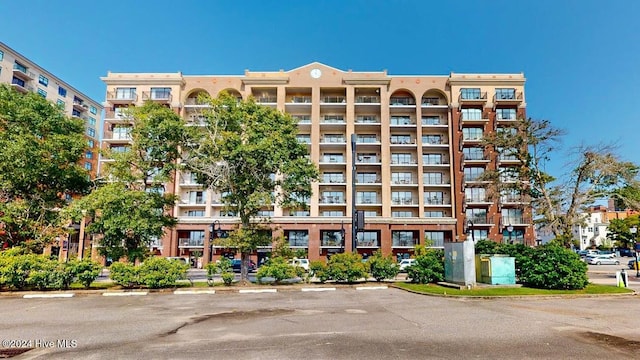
x=594, y=229
x=418, y=163
x=25, y=75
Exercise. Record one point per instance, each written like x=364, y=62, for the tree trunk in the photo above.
x=244, y=268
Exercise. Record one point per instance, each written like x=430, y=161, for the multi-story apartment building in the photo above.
x=594, y=229
x=25, y=75
x=418, y=157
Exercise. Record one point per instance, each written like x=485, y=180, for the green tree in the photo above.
x=40, y=150
x=619, y=231
x=249, y=153
x=595, y=172
x=131, y=209
x=429, y=267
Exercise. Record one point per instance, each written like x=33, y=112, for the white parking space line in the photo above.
x=48, y=296
x=193, y=292
x=319, y=289
x=372, y=287
x=250, y=291
x=125, y=293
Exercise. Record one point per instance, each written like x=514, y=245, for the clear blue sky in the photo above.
x=581, y=58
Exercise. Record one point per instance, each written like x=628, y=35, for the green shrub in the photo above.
x=428, y=267
x=86, y=271
x=382, y=267
x=40, y=274
x=487, y=247
x=159, y=272
x=61, y=276
x=124, y=274
x=319, y=270
x=227, y=278
x=277, y=268
x=346, y=267
x=16, y=267
x=554, y=267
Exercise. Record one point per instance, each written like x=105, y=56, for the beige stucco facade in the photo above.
x=410, y=172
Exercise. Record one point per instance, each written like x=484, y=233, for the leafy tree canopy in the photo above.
x=40, y=150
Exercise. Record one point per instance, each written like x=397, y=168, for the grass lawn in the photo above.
x=591, y=289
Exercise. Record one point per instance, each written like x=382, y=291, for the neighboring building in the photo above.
x=593, y=231
x=25, y=75
x=418, y=161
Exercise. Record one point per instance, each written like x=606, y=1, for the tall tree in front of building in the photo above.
x=594, y=172
x=250, y=155
x=130, y=207
x=40, y=151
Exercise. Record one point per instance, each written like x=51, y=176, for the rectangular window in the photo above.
x=434, y=238
x=332, y=177
x=473, y=153
x=506, y=94
x=367, y=158
x=62, y=91
x=20, y=67
x=366, y=197
x=333, y=213
x=122, y=133
x=434, y=214
x=92, y=121
x=367, y=178
x=1, y=55
x=370, y=213
x=331, y=238
x=160, y=93
x=512, y=216
x=368, y=239
x=42, y=93
x=401, y=158
x=434, y=198
x=431, y=120
x=401, y=178
x=432, y=139
x=61, y=103
x=470, y=93
x=404, y=238
x=119, y=148
x=480, y=234
x=89, y=154
x=401, y=214
x=333, y=158
x=196, y=197
x=93, y=109
x=473, y=134
x=473, y=173
x=472, y=114
x=432, y=159
x=90, y=143
x=333, y=138
x=195, y=213
x=506, y=114
x=126, y=93
x=477, y=216
x=401, y=198
x=91, y=132
x=88, y=166
x=304, y=138
x=401, y=139
x=297, y=238
x=332, y=197
x=43, y=80
x=432, y=178
x=401, y=120
x=367, y=138
x=475, y=194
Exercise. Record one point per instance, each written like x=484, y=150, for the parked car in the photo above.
x=237, y=263
x=602, y=259
x=405, y=263
x=303, y=263
x=633, y=264
x=626, y=252
x=585, y=253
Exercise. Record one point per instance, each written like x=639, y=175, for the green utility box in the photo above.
x=496, y=269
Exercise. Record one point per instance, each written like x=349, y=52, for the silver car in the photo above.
x=602, y=259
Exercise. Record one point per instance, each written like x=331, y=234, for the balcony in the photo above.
x=402, y=101
x=403, y=201
x=436, y=201
x=434, y=122
x=475, y=158
x=367, y=201
x=21, y=86
x=157, y=96
x=190, y=243
x=369, y=180
x=473, y=119
x=471, y=139
x=299, y=100
x=402, y=140
x=404, y=243
x=272, y=100
x=367, y=159
x=401, y=121
x=333, y=119
x=22, y=72
x=403, y=182
x=472, y=98
x=372, y=244
x=435, y=163
x=401, y=162
x=434, y=141
x=194, y=103
x=508, y=98
x=79, y=105
x=367, y=119
x=514, y=199
x=117, y=97
x=333, y=180
x=435, y=183
x=332, y=140
x=329, y=200
x=332, y=160
x=481, y=220
x=333, y=100
x=433, y=102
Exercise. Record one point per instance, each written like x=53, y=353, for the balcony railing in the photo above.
x=333, y=120
x=367, y=120
x=402, y=141
x=332, y=159
x=403, y=161
x=122, y=96
x=473, y=96
x=369, y=180
x=435, y=201
x=403, y=201
x=367, y=99
x=404, y=242
x=333, y=179
x=507, y=96
x=300, y=99
x=403, y=181
x=430, y=101
x=186, y=242
x=332, y=200
x=400, y=121
x=156, y=96
x=334, y=99
x=401, y=101
x=368, y=159
x=366, y=201
x=333, y=140
x=267, y=99
x=367, y=139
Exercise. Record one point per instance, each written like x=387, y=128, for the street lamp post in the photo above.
x=634, y=231
x=470, y=230
x=510, y=230
x=214, y=233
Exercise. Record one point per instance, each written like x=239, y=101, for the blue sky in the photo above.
x=581, y=58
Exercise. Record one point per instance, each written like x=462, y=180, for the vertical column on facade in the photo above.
x=315, y=147
x=457, y=170
x=385, y=152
